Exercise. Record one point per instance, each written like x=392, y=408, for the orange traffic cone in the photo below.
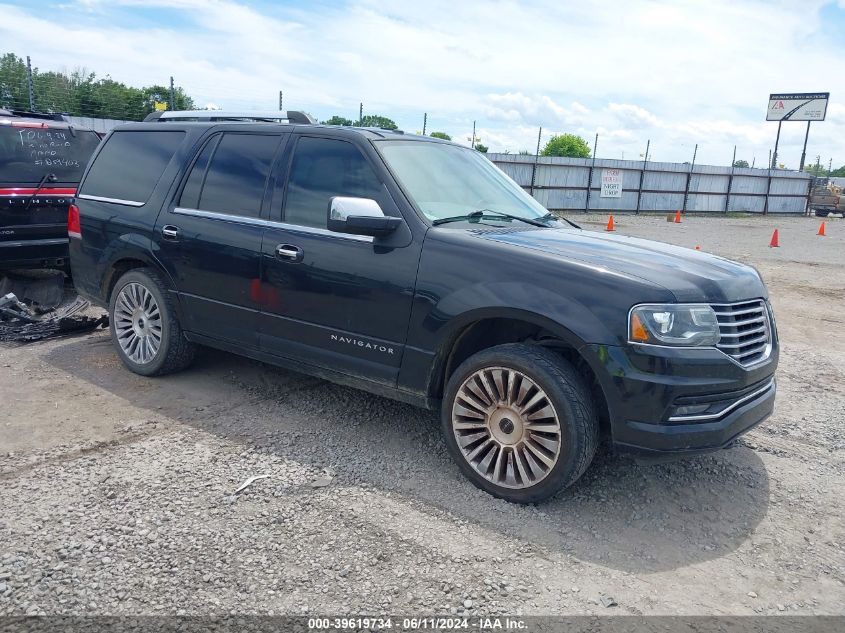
x=775, y=242
x=609, y=223
x=677, y=217
x=821, y=229
x=698, y=248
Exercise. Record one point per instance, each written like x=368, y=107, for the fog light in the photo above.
x=691, y=409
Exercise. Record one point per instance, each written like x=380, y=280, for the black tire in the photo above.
x=175, y=352
x=570, y=398
x=822, y=214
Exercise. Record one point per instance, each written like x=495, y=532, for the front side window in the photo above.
x=323, y=168
x=237, y=174
x=130, y=164
x=448, y=180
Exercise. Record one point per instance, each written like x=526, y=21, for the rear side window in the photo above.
x=27, y=154
x=236, y=175
x=130, y=164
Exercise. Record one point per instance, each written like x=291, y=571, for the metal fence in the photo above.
x=561, y=184
x=98, y=125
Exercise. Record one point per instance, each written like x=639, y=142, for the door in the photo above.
x=210, y=236
x=338, y=301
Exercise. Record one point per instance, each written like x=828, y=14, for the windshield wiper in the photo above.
x=550, y=216
x=47, y=178
x=531, y=221
x=475, y=216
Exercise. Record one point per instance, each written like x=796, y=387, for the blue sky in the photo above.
x=677, y=72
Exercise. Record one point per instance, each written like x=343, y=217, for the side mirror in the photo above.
x=359, y=216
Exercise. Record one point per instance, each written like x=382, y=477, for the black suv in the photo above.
x=415, y=269
x=42, y=158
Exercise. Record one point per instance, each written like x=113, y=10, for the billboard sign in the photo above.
x=611, y=183
x=797, y=106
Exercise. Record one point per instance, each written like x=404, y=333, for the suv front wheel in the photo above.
x=144, y=328
x=519, y=421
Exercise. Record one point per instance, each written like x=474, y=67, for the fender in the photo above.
x=428, y=352
x=518, y=300
x=133, y=246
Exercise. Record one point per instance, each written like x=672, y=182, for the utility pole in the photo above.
x=361, y=113
x=280, y=101
x=642, y=175
x=830, y=167
x=590, y=173
x=172, y=95
x=774, y=162
x=473, y=135
x=536, y=158
x=425, y=120
x=804, y=151
x=730, y=182
x=689, y=177
x=29, y=84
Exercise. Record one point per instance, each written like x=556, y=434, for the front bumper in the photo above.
x=673, y=401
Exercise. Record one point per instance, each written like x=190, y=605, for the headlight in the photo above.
x=675, y=324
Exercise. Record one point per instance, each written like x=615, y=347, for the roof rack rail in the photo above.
x=49, y=116
x=291, y=116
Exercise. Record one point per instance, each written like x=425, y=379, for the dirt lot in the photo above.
x=116, y=492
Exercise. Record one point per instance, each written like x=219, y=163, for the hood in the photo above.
x=690, y=275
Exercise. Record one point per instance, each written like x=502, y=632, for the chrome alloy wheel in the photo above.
x=506, y=427
x=137, y=323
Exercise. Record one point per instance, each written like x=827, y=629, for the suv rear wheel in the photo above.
x=144, y=328
x=520, y=422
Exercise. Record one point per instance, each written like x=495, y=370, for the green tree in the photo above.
x=524, y=152
x=14, y=93
x=741, y=163
x=481, y=148
x=816, y=170
x=376, y=120
x=441, y=135
x=80, y=93
x=339, y=120
x=838, y=173
x=567, y=145
x=151, y=94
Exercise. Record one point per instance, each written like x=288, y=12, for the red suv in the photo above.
x=42, y=157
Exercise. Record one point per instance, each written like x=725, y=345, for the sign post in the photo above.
x=796, y=106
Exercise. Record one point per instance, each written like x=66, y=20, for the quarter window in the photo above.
x=237, y=174
x=323, y=168
x=130, y=164
x=190, y=197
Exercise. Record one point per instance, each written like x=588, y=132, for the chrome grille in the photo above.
x=745, y=333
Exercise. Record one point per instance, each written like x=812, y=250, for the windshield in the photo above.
x=28, y=154
x=445, y=181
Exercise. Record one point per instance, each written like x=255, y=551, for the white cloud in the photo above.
x=675, y=72
x=633, y=115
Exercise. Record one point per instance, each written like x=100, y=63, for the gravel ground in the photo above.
x=118, y=493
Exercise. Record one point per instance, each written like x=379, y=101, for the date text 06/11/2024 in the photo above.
x=430, y=623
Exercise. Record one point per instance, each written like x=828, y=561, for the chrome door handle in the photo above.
x=289, y=252
x=170, y=232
